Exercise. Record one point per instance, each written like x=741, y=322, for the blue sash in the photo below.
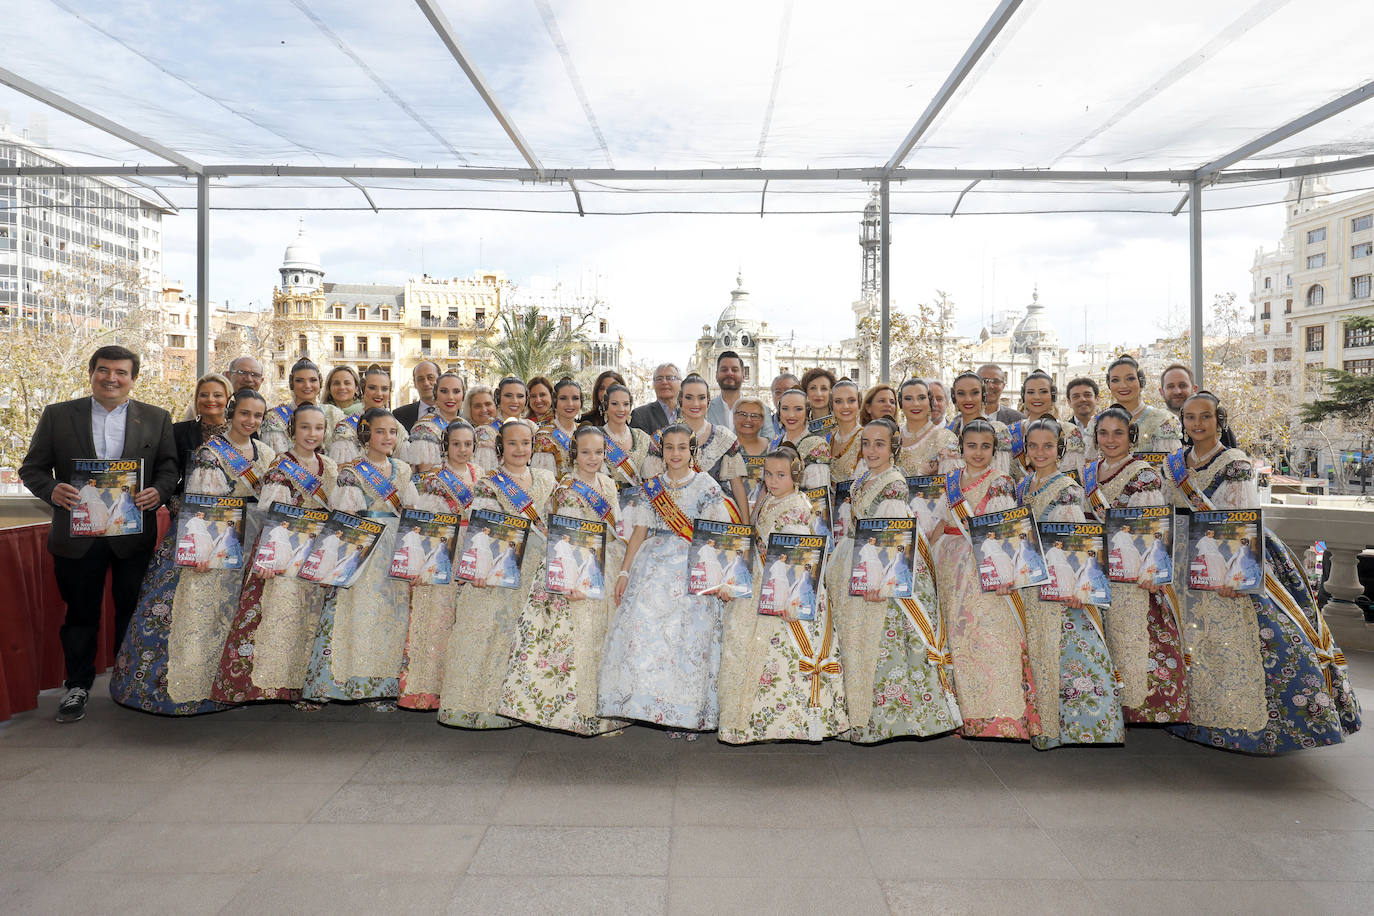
x=518, y=497
x=1018, y=440
x=776, y=441
x=1177, y=463
x=615, y=453
x=306, y=481
x=954, y=492
x=233, y=459
x=379, y=482
x=455, y=486
x=1023, y=487
x=1093, y=498
x=353, y=421
x=595, y=500
x=563, y=439
x=281, y=410
x=952, y=426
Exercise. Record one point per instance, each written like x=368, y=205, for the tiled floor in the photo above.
x=268, y=810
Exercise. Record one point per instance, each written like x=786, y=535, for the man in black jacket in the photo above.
x=662, y=411
x=425, y=376
x=107, y=425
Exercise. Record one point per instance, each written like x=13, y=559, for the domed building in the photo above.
x=1021, y=342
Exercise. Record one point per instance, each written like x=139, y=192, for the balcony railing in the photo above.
x=479, y=324
x=355, y=353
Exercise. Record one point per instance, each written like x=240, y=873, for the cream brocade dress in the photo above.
x=764, y=694
x=934, y=451
x=273, y=430
x=1158, y=429
x=485, y=630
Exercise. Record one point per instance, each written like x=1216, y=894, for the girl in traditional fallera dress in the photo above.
x=1078, y=696
x=343, y=445
x=717, y=450
x=928, y=447
x=968, y=403
x=896, y=677
x=880, y=401
x=171, y=651
x=779, y=676
x=424, y=451
x=662, y=654
x=304, y=380
x=992, y=675
x=1038, y=394
x=484, y=631
x=596, y=412
x=814, y=450
x=553, y=441
x=844, y=440
x=512, y=403
x=344, y=390
x=449, y=489
x=268, y=647
x=1142, y=623
x=553, y=668
x=1266, y=676
x=357, y=650
x=1157, y=429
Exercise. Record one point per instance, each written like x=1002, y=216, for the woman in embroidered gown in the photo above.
x=553, y=668
x=553, y=441
x=717, y=450
x=1038, y=394
x=880, y=401
x=893, y=649
x=1266, y=676
x=343, y=389
x=304, y=380
x=448, y=489
x=968, y=404
x=268, y=647
x=627, y=448
x=1078, y=696
x=814, y=450
x=171, y=651
x=662, y=653
x=1142, y=627
x=424, y=451
x=342, y=444
x=927, y=446
x=356, y=654
x=1157, y=429
x=844, y=439
x=779, y=677
x=992, y=674
x=512, y=403
x=484, y=632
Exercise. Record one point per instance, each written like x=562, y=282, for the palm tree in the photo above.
x=530, y=344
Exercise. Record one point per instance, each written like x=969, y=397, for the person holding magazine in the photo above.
x=267, y=650
x=1142, y=624
x=896, y=675
x=356, y=652
x=662, y=653
x=1078, y=697
x=780, y=676
x=168, y=662
x=992, y=673
x=1266, y=675
x=304, y=380
x=424, y=450
x=552, y=680
x=485, y=627
x=928, y=446
x=814, y=450
x=342, y=444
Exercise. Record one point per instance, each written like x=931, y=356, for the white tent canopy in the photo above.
x=619, y=108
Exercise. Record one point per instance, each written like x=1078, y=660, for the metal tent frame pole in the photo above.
x=1195, y=276
x=202, y=274
x=885, y=273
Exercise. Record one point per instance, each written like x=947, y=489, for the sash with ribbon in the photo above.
x=305, y=481
x=777, y=440
x=283, y=413
x=233, y=459
x=561, y=442
x=815, y=665
x=959, y=509
x=379, y=483
x=353, y=421
x=1018, y=443
x=521, y=501
x=1093, y=492
x=620, y=458
x=953, y=426
x=594, y=500
x=456, y=488
x=667, y=508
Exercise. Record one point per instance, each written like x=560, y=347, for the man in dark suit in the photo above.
x=107, y=425
x=994, y=380
x=663, y=411
x=425, y=376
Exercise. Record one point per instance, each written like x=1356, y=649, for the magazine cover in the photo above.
x=820, y=504
x=1075, y=475
x=1007, y=547
x=842, y=512
x=337, y=555
x=424, y=547
x=210, y=532
x=1154, y=459
x=884, y=549
x=791, y=575
x=576, y=561
x=105, y=501
x=1074, y=553
x=493, y=548
x=718, y=559
x=926, y=497
x=1140, y=545
x=1226, y=548
x=754, y=465
x=287, y=533
x=822, y=426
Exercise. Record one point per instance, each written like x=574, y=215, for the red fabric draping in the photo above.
x=30, y=651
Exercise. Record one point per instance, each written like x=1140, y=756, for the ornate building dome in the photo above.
x=1033, y=332
x=739, y=323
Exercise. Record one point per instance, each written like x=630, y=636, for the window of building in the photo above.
x=1362, y=249
x=1359, y=287
x=300, y=307
x=386, y=346
x=1359, y=337
x=1316, y=235
x=1288, y=327
x=302, y=345
x=1315, y=296
x=1268, y=282
x=1316, y=339
x=338, y=313
x=1265, y=313
x=1288, y=306
x=1316, y=260
x=1258, y=356
x=425, y=346
x=362, y=313
x=1259, y=378
x=1360, y=366
x=454, y=344
x=1288, y=281
x=605, y=325
x=386, y=314
x=362, y=346
x=565, y=323
x=479, y=317
x=1283, y=377
x=176, y=340
x=1360, y=223
x=1283, y=354
x=746, y=367
x=338, y=345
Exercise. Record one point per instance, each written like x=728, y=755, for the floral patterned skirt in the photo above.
x=1079, y=697
x=910, y=697
x=1166, y=675
x=432, y=612
x=267, y=654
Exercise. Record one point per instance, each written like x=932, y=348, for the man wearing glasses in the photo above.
x=657, y=414
x=245, y=372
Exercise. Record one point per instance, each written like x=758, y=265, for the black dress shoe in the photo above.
x=73, y=705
